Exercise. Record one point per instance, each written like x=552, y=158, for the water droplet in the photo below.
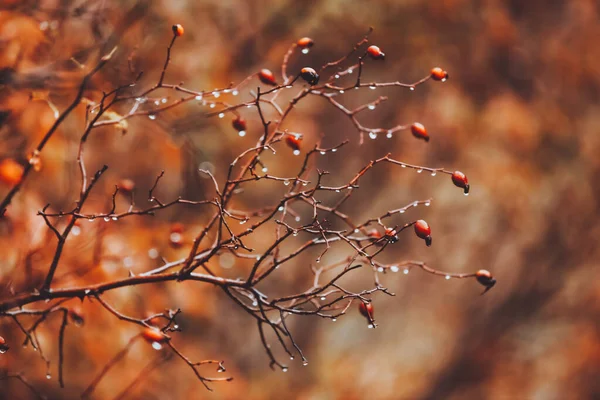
x=265, y=169
x=280, y=208
x=389, y=135
x=3, y=350
x=350, y=70
x=156, y=346
x=91, y=219
x=297, y=219
x=337, y=190
x=372, y=135
x=305, y=51
x=370, y=326
x=153, y=253
x=242, y=133
x=405, y=271
x=402, y=211
x=412, y=88
x=284, y=369
x=296, y=152
x=323, y=153
x=333, y=319
x=249, y=106
x=356, y=230
x=212, y=105
x=106, y=219
x=76, y=231
x=157, y=102
x=242, y=222
x=394, y=268
x=336, y=76
x=295, y=233
x=254, y=303
x=291, y=357
x=199, y=97
x=305, y=363
x=371, y=106
x=175, y=326
x=333, y=150
x=372, y=87
x=466, y=194
x=286, y=183
x=304, y=183
x=380, y=269
x=152, y=117
x=48, y=376
x=433, y=173
x=235, y=92
x=289, y=86
x=419, y=171
x=115, y=218
x=447, y=277
x=221, y=115
x=444, y=79
x=87, y=291
x=216, y=94
x=403, y=166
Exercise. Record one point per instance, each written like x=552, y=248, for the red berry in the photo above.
x=309, y=75
x=375, y=53
x=374, y=234
x=11, y=172
x=423, y=231
x=438, y=74
x=177, y=30
x=305, y=43
x=267, y=77
x=419, y=131
x=126, y=185
x=366, y=309
x=459, y=179
x=3, y=346
x=391, y=235
x=485, y=278
x=154, y=335
x=239, y=124
x=293, y=142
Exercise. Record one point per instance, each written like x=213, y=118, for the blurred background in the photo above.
x=520, y=115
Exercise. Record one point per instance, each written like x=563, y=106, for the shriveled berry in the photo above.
x=438, y=74
x=177, y=30
x=375, y=53
x=267, y=77
x=423, y=231
x=459, y=179
x=309, y=75
x=419, y=131
x=305, y=43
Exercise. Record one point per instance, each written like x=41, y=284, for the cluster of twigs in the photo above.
x=325, y=297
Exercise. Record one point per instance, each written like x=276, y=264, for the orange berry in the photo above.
x=305, y=43
x=419, y=131
x=11, y=172
x=309, y=75
x=177, y=30
x=154, y=335
x=375, y=53
x=267, y=77
x=423, y=231
x=293, y=142
x=459, y=179
x=438, y=74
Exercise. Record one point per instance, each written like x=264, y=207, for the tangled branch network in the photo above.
x=229, y=230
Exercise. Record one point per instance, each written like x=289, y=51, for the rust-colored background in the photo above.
x=520, y=116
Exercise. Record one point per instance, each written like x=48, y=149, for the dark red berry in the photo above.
x=293, y=142
x=309, y=75
x=423, y=231
x=366, y=309
x=239, y=124
x=305, y=43
x=267, y=77
x=459, y=179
